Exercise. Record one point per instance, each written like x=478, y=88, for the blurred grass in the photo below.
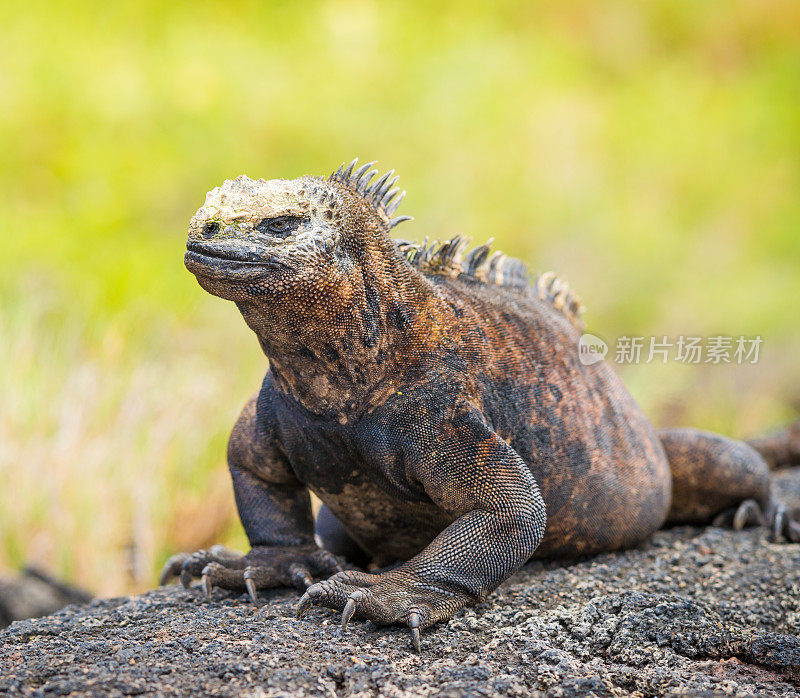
x=650, y=152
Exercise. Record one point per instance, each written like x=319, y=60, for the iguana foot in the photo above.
x=396, y=596
x=781, y=522
x=262, y=568
x=747, y=513
x=784, y=523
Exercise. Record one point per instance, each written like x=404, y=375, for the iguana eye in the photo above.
x=210, y=229
x=280, y=225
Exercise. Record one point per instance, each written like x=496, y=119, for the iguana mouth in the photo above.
x=221, y=261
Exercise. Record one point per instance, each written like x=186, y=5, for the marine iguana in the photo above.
x=434, y=400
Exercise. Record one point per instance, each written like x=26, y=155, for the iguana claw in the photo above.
x=350, y=607
x=302, y=606
x=748, y=513
x=262, y=568
x=186, y=579
x=781, y=523
x=252, y=592
x=414, y=622
x=172, y=568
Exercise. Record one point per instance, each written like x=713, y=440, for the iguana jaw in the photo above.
x=231, y=263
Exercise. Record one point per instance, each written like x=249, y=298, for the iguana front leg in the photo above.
x=275, y=510
x=473, y=474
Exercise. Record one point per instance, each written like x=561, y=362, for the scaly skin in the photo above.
x=436, y=405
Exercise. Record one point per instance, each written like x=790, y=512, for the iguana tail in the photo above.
x=781, y=449
x=727, y=482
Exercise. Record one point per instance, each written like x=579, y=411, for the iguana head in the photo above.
x=315, y=274
x=256, y=238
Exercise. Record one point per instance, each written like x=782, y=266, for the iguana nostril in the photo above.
x=210, y=230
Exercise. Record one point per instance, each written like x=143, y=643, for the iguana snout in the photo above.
x=251, y=237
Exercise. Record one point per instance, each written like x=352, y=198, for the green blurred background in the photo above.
x=648, y=151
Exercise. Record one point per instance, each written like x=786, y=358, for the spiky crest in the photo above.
x=381, y=194
x=450, y=259
x=554, y=289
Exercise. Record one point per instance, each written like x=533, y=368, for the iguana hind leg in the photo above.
x=724, y=481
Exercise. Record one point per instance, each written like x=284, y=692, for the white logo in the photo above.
x=591, y=349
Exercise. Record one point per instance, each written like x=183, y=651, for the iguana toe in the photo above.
x=172, y=568
x=384, y=599
x=747, y=513
x=194, y=565
x=784, y=524
x=264, y=567
x=414, y=622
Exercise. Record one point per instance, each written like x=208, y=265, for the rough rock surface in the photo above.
x=695, y=611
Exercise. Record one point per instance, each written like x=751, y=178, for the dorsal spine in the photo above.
x=381, y=194
x=451, y=259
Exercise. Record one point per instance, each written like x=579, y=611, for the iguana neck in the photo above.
x=335, y=351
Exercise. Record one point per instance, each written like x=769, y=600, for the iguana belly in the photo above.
x=389, y=529
x=365, y=490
